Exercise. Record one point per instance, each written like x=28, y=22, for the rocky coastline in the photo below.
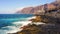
x=51, y=26
x=51, y=18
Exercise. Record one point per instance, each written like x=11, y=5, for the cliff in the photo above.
x=39, y=9
x=30, y=10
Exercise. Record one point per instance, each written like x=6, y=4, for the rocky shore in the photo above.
x=51, y=26
x=41, y=29
x=50, y=19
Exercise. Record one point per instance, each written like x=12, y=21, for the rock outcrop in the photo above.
x=41, y=29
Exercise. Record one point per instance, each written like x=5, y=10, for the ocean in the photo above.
x=10, y=23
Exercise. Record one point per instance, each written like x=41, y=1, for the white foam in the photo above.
x=13, y=29
x=3, y=31
x=31, y=17
x=22, y=22
x=38, y=23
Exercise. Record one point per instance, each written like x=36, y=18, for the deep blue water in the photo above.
x=2, y=16
x=8, y=19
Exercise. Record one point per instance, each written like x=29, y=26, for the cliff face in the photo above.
x=31, y=10
x=27, y=10
x=39, y=9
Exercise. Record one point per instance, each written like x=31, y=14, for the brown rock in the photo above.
x=37, y=19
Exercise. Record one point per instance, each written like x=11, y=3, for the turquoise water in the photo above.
x=10, y=21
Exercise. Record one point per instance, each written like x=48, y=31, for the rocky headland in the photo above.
x=48, y=14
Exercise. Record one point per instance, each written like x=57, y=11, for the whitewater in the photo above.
x=12, y=24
